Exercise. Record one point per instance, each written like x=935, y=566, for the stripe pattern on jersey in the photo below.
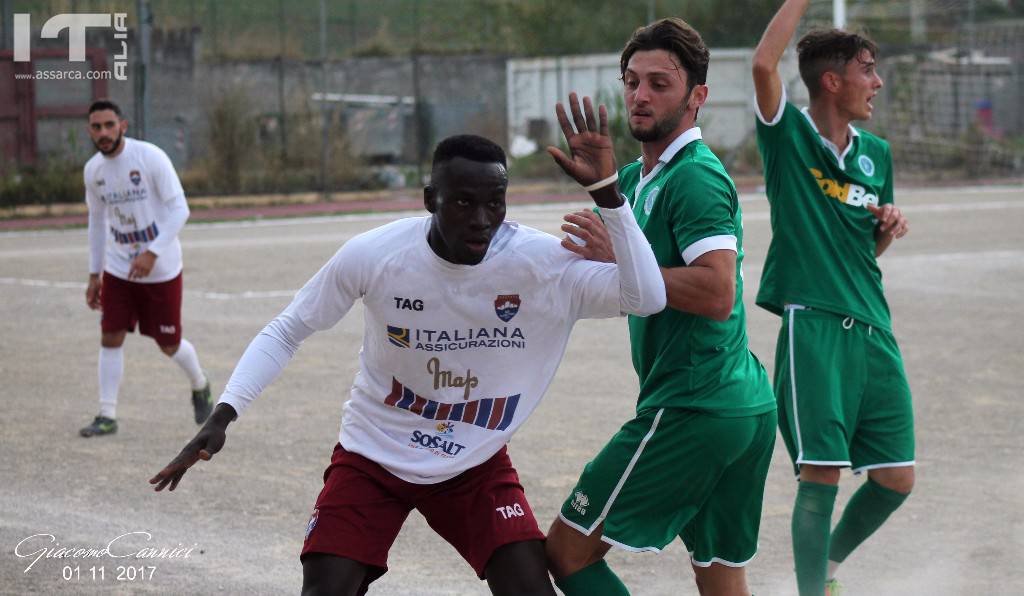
x=492, y=413
x=147, y=235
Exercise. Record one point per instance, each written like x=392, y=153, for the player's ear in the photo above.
x=698, y=96
x=831, y=82
x=430, y=198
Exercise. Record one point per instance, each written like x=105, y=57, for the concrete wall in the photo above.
x=726, y=119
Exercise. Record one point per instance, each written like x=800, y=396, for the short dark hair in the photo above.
x=471, y=147
x=677, y=37
x=829, y=50
x=105, y=104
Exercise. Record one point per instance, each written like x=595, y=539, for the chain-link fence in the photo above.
x=263, y=96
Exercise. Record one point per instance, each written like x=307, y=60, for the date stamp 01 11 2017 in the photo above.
x=119, y=560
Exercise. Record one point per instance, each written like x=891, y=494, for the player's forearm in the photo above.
x=699, y=290
x=264, y=360
x=170, y=227
x=97, y=239
x=641, y=287
x=882, y=241
x=777, y=36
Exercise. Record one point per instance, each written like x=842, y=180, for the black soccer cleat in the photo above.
x=202, y=402
x=101, y=425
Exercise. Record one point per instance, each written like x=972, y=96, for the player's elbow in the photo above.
x=763, y=67
x=646, y=305
x=721, y=306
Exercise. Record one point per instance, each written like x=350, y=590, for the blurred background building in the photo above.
x=268, y=96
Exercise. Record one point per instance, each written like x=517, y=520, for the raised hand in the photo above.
x=591, y=158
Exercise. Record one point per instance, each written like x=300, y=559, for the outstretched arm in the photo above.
x=262, y=362
x=767, y=81
x=706, y=287
x=592, y=164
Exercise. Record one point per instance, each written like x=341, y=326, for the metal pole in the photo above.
x=839, y=14
x=418, y=105
x=142, y=70
x=7, y=34
x=918, y=21
x=650, y=11
x=324, y=114
x=280, y=82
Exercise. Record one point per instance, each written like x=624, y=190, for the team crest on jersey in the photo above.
x=649, y=201
x=506, y=306
x=398, y=336
x=445, y=428
x=312, y=522
x=866, y=165
x=135, y=177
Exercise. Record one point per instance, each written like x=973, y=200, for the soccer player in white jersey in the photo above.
x=136, y=210
x=467, y=317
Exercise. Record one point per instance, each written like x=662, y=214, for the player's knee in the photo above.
x=519, y=568
x=820, y=474
x=114, y=339
x=170, y=350
x=324, y=575
x=899, y=480
x=567, y=551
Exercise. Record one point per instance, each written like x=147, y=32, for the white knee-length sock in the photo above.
x=188, y=360
x=111, y=369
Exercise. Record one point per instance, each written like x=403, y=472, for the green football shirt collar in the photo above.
x=840, y=157
x=685, y=138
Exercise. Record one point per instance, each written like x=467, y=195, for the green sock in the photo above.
x=596, y=579
x=812, y=518
x=867, y=510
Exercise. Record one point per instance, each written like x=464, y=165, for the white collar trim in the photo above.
x=840, y=157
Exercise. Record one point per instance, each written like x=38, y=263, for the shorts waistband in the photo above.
x=848, y=322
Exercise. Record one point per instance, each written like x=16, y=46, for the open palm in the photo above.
x=592, y=157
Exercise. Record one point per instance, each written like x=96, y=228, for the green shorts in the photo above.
x=842, y=393
x=673, y=472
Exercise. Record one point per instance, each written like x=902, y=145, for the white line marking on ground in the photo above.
x=74, y=285
x=1014, y=255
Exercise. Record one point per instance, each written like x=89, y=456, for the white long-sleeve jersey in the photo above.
x=454, y=357
x=136, y=203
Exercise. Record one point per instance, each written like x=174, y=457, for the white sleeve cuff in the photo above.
x=778, y=112
x=705, y=245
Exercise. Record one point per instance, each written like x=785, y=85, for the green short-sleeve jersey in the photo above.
x=822, y=252
x=686, y=207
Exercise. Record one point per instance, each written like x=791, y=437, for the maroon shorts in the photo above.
x=155, y=307
x=363, y=506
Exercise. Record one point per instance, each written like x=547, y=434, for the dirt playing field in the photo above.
x=236, y=524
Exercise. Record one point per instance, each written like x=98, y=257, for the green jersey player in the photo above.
x=692, y=462
x=842, y=392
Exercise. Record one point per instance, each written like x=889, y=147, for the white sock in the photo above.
x=111, y=369
x=832, y=568
x=188, y=360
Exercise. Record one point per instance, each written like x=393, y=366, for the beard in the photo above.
x=661, y=128
x=113, y=146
